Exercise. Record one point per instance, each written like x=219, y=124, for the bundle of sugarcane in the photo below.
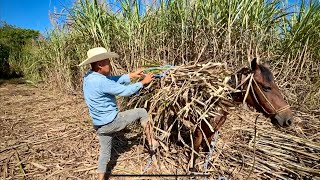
x=188, y=93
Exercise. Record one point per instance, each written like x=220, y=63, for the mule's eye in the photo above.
x=266, y=88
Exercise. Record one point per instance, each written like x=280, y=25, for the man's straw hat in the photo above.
x=98, y=54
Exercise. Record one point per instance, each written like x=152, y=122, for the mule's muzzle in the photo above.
x=289, y=121
x=283, y=120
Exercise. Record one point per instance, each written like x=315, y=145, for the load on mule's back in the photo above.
x=195, y=96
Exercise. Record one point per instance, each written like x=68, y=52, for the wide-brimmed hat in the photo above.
x=98, y=54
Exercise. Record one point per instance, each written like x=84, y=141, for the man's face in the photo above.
x=105, y=67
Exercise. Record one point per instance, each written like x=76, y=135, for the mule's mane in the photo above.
x=266, y=73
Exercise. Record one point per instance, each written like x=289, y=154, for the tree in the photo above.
x=12, y=42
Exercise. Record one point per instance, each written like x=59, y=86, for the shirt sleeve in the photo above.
x=115, y=88
x=120, y=79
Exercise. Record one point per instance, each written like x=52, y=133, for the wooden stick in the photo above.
x=20, y=165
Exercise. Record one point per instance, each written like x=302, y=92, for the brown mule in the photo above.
x=258, y=89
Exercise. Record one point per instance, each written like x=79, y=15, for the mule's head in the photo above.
x=264, y=94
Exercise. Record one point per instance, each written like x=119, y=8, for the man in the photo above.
x=100, y=90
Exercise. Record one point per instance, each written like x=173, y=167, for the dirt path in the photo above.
x=45, y=135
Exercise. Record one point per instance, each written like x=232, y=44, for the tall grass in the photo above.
x=299, y=50
x=181, y=31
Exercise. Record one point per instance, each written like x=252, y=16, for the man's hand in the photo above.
x=147, y=79
x=139, y=73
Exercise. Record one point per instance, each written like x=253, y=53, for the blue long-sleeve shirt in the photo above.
x=99, y=94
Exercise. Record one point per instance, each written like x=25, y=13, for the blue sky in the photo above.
x=34, y=14
x=30, y=14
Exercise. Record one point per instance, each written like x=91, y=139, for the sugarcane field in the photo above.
x=161, y=89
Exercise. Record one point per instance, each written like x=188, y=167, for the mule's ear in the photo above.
x=266, y=65
x=254, y=64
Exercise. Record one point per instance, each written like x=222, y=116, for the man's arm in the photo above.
x=126, y=78
x=111, y=87
x=120, y=79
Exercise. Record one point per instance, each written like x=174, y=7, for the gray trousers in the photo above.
x=105, y=133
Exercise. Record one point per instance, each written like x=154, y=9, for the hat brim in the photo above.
x=99, y=57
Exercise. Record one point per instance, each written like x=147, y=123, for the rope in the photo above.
x=167, y=67
x=212, y=144
x=270, y=104
x=163, y=74
x=148, y=164
x=250, y=78
x=254, y=147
